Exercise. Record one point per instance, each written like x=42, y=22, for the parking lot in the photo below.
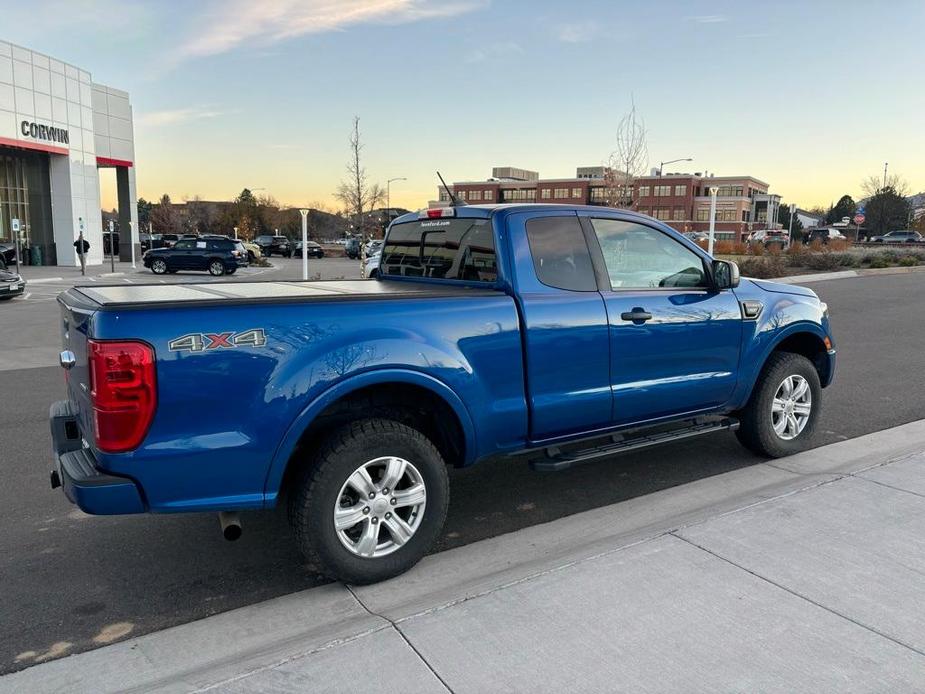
x=73, y=582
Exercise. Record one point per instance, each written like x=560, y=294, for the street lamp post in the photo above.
x=304, y=213
x=713, y=191
x=388, y=198
x=236, y=233
x=661, y=165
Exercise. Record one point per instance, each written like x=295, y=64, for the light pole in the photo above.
x=304, y=214
x=236, y=233
x=661, y=165
x=790, y=229
x=713, y=191
x=388, y=198
x=131, y=238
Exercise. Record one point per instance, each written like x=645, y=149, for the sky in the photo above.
x=811, y=97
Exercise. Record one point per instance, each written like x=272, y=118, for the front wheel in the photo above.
x=784, y=407
x=159, y=267
x=371, y=502
x=216, y=268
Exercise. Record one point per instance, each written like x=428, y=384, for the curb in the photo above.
x=846, y=274
x=227, y=647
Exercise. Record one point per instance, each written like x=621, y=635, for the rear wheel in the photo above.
x=782, y=413
x=216, y=268
x=159, y=266
x=371, y=502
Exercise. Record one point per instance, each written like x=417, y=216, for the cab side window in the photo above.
x=560, y=254
x=185, y=245
x=639, y=257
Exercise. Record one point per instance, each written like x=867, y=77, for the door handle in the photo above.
x=637, y=315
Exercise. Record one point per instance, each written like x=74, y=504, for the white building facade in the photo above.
x=57, y=129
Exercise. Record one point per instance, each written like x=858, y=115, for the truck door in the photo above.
x=674, y=339
x=564, y=321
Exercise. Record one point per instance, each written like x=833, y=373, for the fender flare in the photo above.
x=340, y=389
x=792, y=329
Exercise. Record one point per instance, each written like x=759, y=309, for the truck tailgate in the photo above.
x=76, y=315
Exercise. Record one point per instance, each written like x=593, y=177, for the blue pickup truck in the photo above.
x=547, y=334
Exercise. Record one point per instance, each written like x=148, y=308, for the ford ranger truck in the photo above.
x=552, y=334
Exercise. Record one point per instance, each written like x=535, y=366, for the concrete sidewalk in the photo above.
x=801, y=574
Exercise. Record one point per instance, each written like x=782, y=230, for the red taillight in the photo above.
x=123, y=392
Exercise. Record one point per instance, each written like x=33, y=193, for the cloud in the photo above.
x=710, y=18
x=579, y=32
x=156, y=119
x=234, y=23
x=496, y=50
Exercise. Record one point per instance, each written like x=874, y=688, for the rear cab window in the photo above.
x=455, y=248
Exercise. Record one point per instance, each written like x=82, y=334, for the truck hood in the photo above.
x=781, y=288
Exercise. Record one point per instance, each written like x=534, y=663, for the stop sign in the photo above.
x=859, y=219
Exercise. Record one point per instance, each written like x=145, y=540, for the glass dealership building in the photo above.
x=57, y=129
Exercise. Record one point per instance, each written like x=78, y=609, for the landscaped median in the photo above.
x=799, y=259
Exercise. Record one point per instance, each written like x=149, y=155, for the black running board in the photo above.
x=557, y=460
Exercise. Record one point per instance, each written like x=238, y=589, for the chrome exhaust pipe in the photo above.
x=231, y=525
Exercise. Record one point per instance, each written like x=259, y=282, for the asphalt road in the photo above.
x=70, y=582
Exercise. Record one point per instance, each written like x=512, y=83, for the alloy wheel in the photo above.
x=380, y=507
x=791, y=407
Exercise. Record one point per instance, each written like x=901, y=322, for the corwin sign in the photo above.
x=44, y=132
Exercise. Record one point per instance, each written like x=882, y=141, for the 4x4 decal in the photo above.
x=202, y=342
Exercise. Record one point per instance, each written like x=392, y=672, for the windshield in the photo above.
x=453, y=249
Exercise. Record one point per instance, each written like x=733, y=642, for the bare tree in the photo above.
x=872, y=185
x=627, y=162
x=357, y=194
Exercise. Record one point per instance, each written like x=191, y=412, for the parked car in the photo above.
x=824, y=235
x=905, y=236
x=274, y=244
x=11, y=283
x=312, y=249
x=371, y=265
x=531, y=330
x=251, y=248
x=696, y=236
x=217, y=256
x=769, y=238
x=352, y=248
x=372, y=247
x=8, y=253
x=168, y=240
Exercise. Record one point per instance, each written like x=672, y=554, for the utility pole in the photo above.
x=885, y=165
x=304, y=214
x=80, y=247
x=713, y=191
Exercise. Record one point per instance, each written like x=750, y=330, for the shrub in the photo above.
x=908, y=260
x=879, y=261
x=822, y=261
x=763, y=268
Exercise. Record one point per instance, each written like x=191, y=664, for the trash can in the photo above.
x=35, y=253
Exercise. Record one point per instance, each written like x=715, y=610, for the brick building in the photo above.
x=680, y=200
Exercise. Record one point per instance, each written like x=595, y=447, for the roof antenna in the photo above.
x=454, y=202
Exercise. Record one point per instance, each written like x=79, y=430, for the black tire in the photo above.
x=216, y=268
x=319, y=485
x=756, y=431
x=159, y=266
x=251, y=258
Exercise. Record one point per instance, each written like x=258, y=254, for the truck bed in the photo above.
x=128, y=296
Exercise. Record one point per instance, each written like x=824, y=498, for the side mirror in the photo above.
x=725, y=274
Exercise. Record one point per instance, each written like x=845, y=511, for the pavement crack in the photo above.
x=404, y=638
x=799, y=595
x=888, y=486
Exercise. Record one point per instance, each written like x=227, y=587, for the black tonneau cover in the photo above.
x=121, y=296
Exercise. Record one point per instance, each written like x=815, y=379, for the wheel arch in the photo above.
x=805, y=339
x=440, y=410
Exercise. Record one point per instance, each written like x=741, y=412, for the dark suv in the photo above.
x=274, y=244
x=217, y=256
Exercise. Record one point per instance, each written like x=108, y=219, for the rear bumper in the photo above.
x=85, y=485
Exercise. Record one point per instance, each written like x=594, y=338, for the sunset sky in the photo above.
x=809, y=96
